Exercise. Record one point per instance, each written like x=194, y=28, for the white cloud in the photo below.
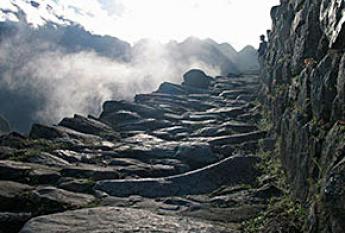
x=114, y=7
x=64, y=84
x=9, y=16
x=239, y=22
x=236, y=21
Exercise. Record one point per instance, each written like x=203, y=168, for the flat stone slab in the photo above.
x=59, y=199
x=13, y=195
x=152, y=165
x=85, y=125
x=233, y=170
x=93, y=172
x=24, y=172
x=119, y=220
x=237, y=138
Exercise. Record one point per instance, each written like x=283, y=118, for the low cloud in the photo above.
x=43, y=83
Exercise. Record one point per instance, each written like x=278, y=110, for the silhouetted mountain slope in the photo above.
x=21, y=65
x=206, y=51
x=246, y=59
x=70, y=39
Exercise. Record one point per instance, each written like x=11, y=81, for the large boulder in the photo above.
x=197, y=78
x=85, y=125
x=171, y=89
x=196, y=154
x=121, y=220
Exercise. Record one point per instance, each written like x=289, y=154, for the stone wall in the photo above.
x=303, y=87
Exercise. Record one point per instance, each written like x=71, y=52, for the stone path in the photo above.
x=181, y=159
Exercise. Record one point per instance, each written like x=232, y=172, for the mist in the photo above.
x=43, y=82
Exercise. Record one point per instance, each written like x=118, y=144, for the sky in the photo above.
x=53, y=84
x=239, y=22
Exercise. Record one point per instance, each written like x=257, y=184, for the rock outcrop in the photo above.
x=197, y=79
x=303, y=91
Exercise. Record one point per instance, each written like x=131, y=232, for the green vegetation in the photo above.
x=283, y=214
x=265, y=122
x=48, y=145
x=24, y=155
x=281, y=89
x=35, y=147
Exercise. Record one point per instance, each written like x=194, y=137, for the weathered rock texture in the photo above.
x=119, y=220
x=304, y=92
x=180, y=159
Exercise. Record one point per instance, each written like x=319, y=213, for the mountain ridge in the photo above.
x=24, y=44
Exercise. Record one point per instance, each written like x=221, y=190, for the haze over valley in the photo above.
x=52, y=67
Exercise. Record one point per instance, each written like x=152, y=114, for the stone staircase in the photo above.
x=181, y=159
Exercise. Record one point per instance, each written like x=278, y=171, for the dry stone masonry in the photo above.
x=303, y=91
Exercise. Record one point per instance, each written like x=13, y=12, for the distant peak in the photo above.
x=249, y=49
x=211, y=41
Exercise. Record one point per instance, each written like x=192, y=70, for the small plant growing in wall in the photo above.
x=309, y=63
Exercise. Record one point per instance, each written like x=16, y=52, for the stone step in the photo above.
x=120, y=220
x=237, y=138
x=28, y=172
x=142, y=110
x=168, y=152
x=85, y=125
x=233, y=170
